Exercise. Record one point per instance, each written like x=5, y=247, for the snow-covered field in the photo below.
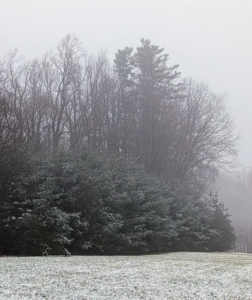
x=167, y=276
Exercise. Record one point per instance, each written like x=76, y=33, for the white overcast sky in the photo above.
x=211, y=40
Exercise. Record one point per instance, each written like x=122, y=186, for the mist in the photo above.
x=208, y=48
x=210, y=40
x=235, y=190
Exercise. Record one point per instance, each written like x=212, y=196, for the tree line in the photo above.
x=139, y=108
x=135, y=111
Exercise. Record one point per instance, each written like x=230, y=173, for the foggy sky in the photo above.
x=210, y=39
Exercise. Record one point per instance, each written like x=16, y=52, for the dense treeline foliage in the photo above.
x=83, y=203
x=156, y=138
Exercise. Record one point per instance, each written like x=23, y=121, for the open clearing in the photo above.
x=182, y=275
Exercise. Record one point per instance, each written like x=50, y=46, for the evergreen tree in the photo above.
x=124, y=70
x=220, y=221
x=156, y=89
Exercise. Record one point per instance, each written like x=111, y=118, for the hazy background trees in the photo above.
x=235, y=190
x=140, y=109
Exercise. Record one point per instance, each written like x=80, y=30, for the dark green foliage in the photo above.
x=83, y=203
x=131, y=211
x=204, y=224
x=36, y=214
x=220, y=221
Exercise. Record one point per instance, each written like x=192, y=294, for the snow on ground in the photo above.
x=182, y=275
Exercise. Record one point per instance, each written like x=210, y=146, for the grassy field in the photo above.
x=182, y=275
